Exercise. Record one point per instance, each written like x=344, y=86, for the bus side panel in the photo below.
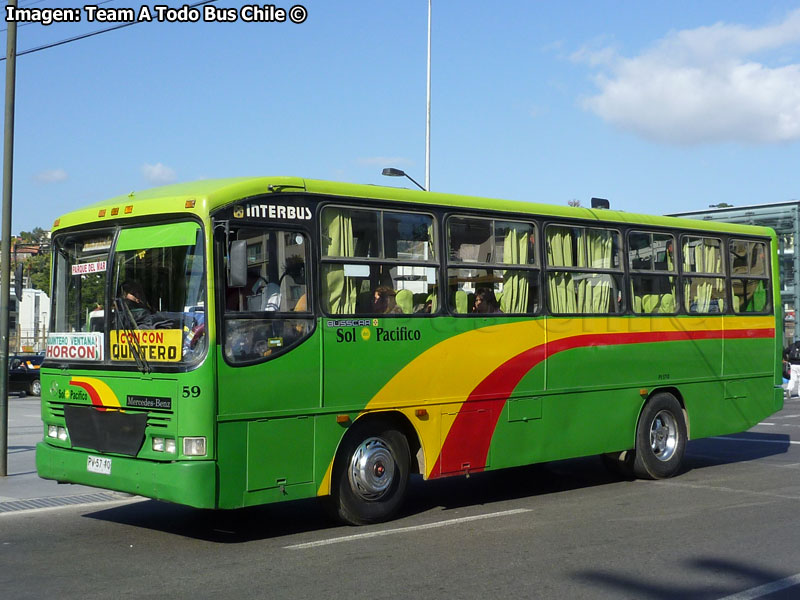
x=265, y=461
x=286, y=384
x=265, y=448
x=594, y=388
x=723, y=407
x=362, y=355
x=572, y=424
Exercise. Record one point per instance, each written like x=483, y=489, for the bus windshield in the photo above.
x=147, y=307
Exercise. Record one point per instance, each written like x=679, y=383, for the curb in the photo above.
x=58, y=501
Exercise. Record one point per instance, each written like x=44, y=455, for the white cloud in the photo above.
x=703, y=85
x=51, y=176
x=159, y=174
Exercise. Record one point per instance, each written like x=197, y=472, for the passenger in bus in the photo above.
x=132, y=294
x=262, y=295
x=485, y=302
x=384, y=301
x=424, y=307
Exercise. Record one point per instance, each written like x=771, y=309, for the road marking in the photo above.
x=760, y=440
x=719, y=488
x=773, y=424
x=766, y=589
x=372, y=534
x=715, y=458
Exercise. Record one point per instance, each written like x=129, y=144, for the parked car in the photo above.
x=23, y=374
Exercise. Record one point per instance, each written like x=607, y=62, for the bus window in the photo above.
x=750, y=282
x=159, y=284
x=378, y=262
x=271, y=313
x=651, y=258
x=80, y=280
x=492, y=266
x=702, y=266
x=584, y=270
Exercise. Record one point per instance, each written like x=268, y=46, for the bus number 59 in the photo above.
x=193, y=391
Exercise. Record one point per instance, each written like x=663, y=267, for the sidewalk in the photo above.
x=22, y=488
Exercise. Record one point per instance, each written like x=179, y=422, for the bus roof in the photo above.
x=210, y=194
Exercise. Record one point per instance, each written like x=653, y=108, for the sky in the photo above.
x=658, y=106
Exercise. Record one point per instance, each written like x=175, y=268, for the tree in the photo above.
x=38, y=268
x=37, y=236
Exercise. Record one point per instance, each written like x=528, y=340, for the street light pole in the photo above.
x=390, y=172
x=5, y=246
x=428, y=119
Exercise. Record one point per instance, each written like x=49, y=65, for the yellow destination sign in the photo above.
x=153, y=345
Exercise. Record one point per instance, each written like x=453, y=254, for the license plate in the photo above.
x=96, y=464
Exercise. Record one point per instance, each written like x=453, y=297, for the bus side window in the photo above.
x=271, y=313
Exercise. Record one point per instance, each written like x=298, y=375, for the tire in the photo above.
x=660, y=438
x=35, y=388
x=370, y=475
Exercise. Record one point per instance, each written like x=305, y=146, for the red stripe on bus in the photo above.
x=96, y=401
x=471, y=434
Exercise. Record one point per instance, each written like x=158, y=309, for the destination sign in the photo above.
x=156, y=345
x=86, y=268
x=75, y=346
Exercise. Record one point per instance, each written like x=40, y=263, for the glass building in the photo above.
x=784, y=218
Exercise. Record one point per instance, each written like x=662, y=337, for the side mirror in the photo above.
x=237, y=264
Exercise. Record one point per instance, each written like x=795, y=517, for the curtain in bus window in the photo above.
x=713, y=262
x=339, y=292
x=668, y=300
x=687, y=268
x=758, y=261
x=433, y=297
x=595, y=248
x=703, y=294
x=697, y=290
x=561, y=285
x=515, y=283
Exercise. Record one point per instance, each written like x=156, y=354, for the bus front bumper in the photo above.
x=192, y=483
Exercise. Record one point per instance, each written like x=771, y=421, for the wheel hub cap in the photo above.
x=664, y=436
x=371, y=469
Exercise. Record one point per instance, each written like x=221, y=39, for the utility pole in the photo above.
x=428, y=113
x=5, y=247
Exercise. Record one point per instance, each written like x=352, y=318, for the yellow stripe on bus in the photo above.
x=479, y=352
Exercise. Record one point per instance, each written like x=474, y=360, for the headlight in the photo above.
x=52, y=431
x=158, y=444
x=62, y=434
x=170, y=446
x=194, y=446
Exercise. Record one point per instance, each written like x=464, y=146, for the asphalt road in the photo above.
x=728, y=524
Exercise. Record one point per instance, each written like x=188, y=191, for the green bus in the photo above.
x=235, y=342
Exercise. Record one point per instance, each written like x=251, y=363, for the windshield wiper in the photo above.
x=123, y=315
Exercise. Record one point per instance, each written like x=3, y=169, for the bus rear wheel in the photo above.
x=371, y=476
x=660, y=438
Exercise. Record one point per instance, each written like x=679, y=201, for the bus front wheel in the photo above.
x=660, y=438
x=371, y=476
